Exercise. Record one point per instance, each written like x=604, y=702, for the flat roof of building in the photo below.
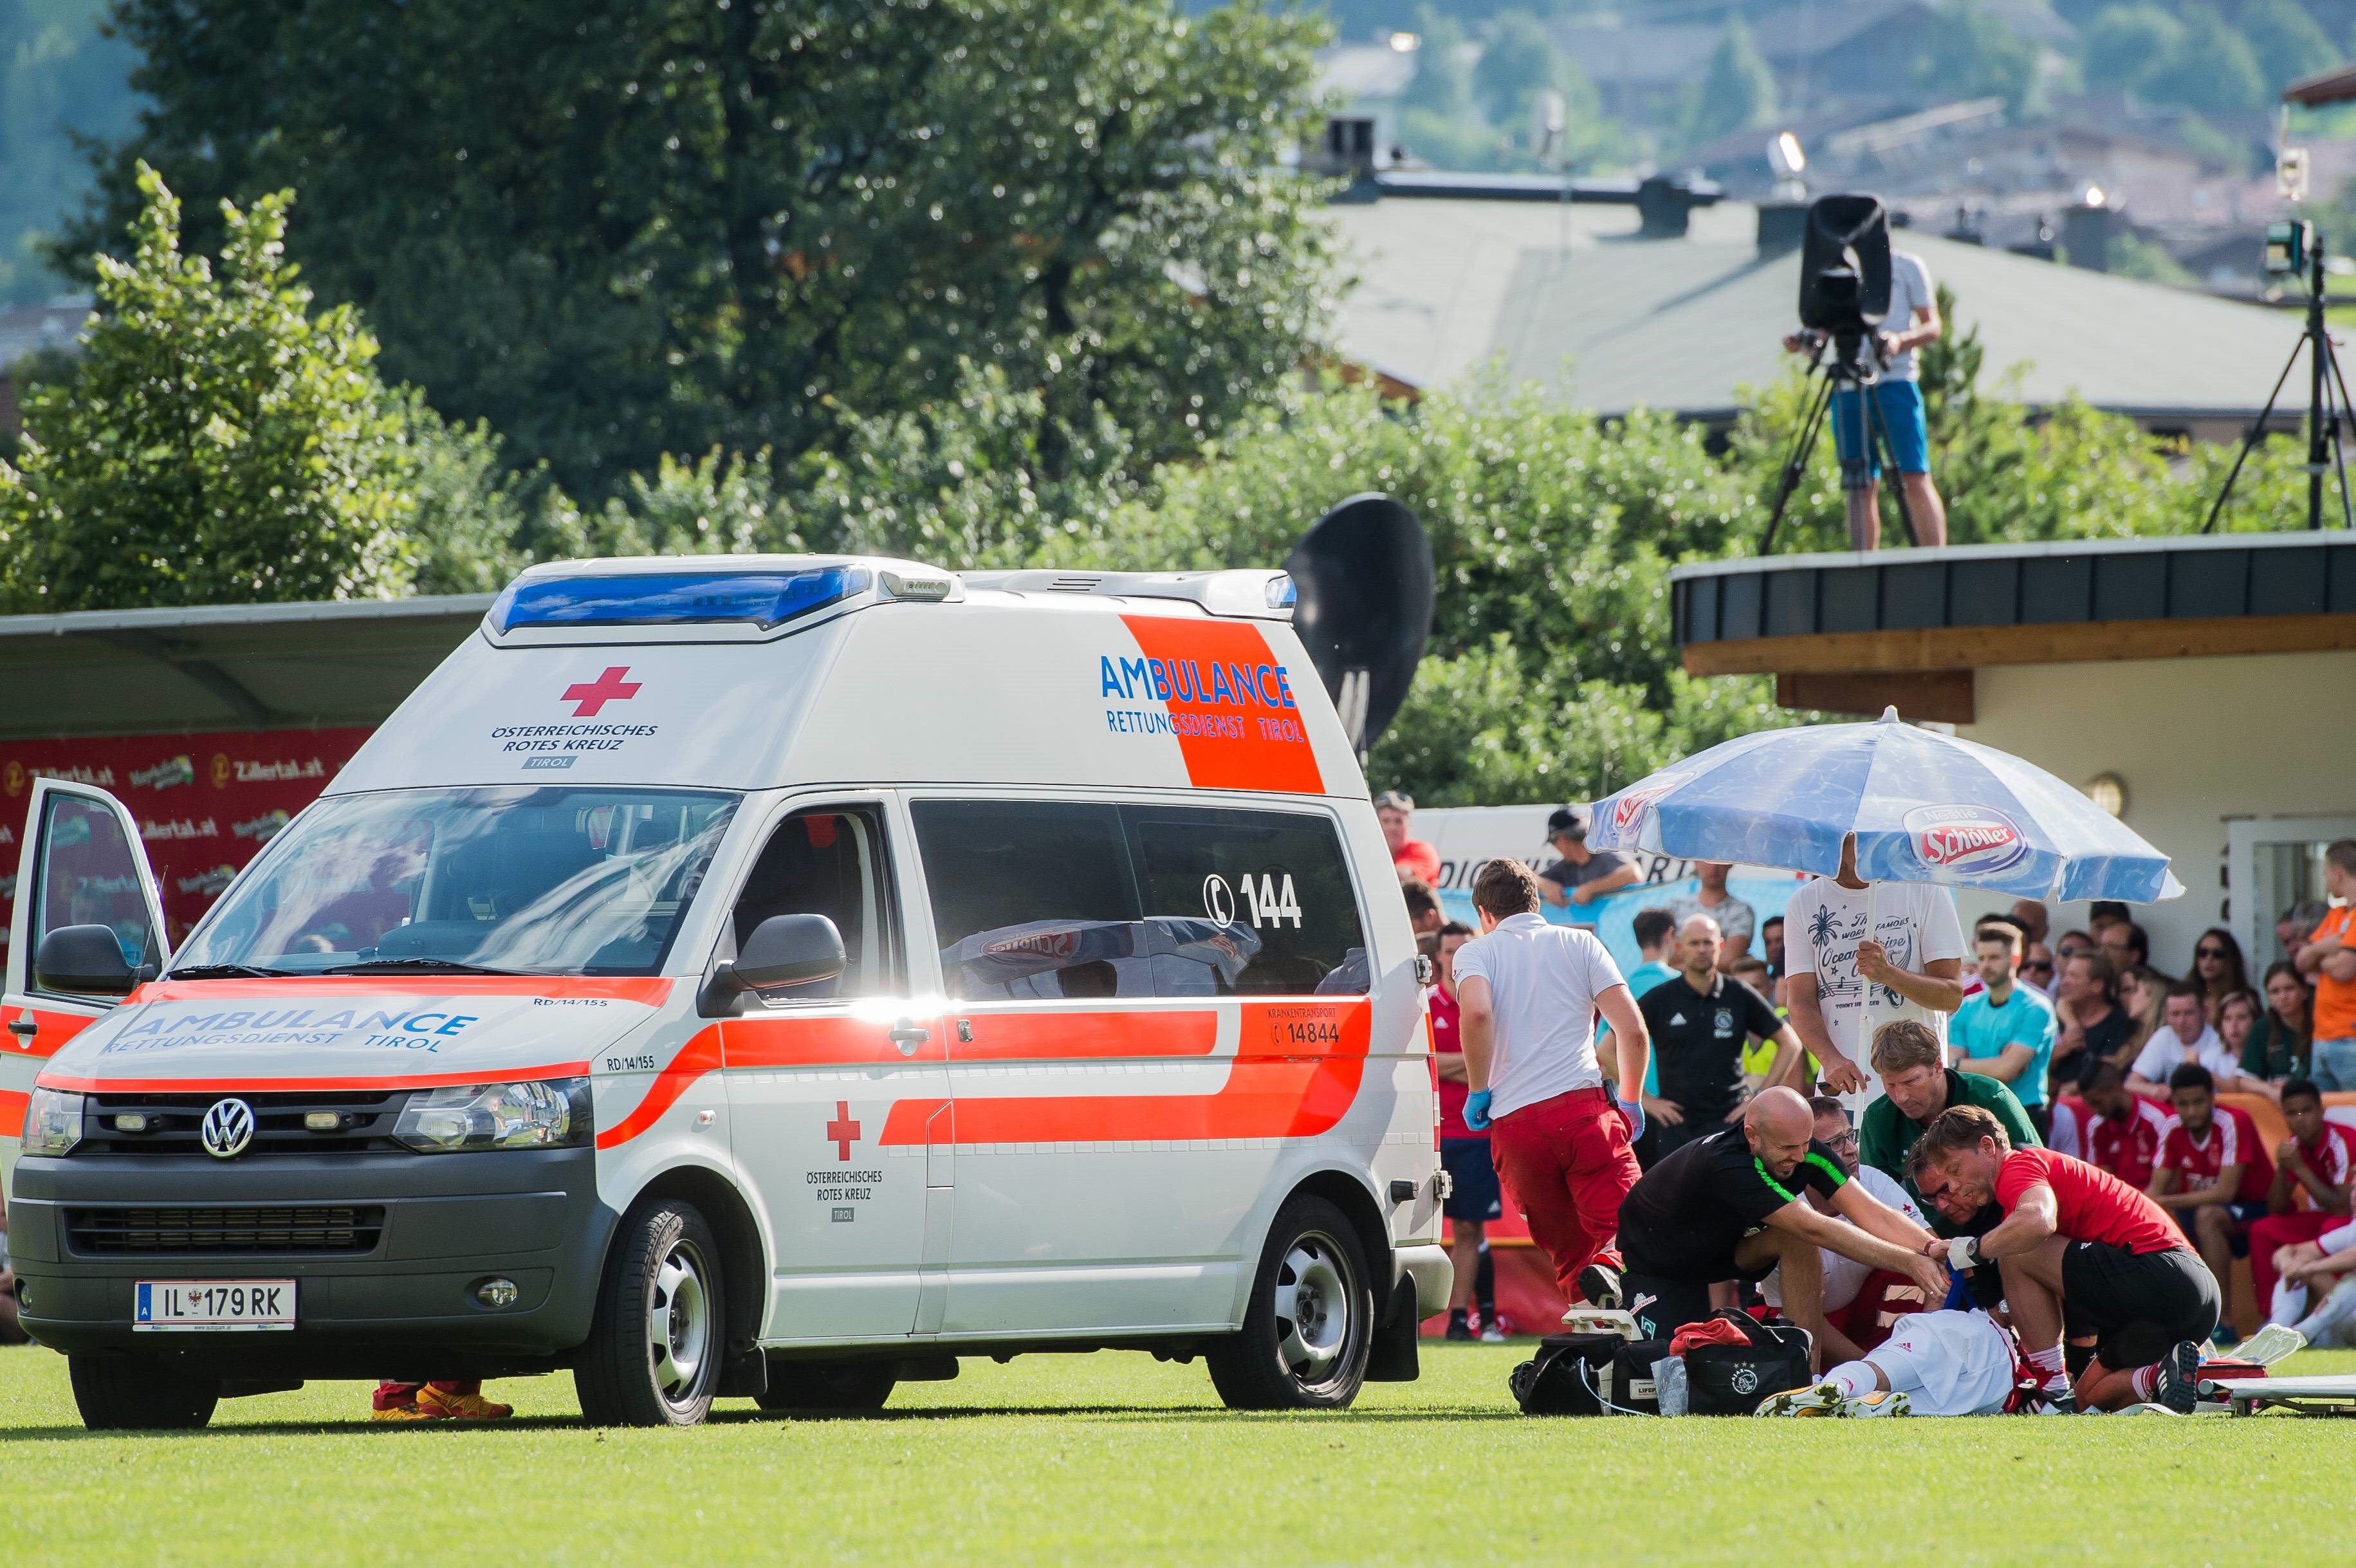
x=213, y=666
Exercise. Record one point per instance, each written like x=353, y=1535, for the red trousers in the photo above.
x=1567, y=1163
x=2277, y=1231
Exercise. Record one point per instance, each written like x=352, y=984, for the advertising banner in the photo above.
x=205, y=803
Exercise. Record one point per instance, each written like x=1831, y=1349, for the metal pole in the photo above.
x=2320, y=349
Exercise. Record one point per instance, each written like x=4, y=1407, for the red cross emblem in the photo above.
x=592, y=695
x=842, y=1130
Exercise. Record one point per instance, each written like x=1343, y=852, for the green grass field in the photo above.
x=1118, y=1459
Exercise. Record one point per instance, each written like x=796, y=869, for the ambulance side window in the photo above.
x=89, y=875
x=1034, y=898
x=1249, y=903
x=827, y=862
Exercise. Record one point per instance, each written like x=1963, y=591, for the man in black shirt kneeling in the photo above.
x=1739, y=1202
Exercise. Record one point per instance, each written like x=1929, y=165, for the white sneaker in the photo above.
x=1491, y=1334
x=1880, y=1401
x=1820, y=1399
x=2273, y=1343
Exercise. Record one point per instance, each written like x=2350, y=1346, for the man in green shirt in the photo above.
x=1916, y=1086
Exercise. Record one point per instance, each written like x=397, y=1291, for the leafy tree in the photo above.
x=217, y=441
x=1739, y=90
x=2211, y=67
x=618, y=229
x=2126, y=45
x=1442, y=84
x=1973, y=55
x=1518, y=62
x=2286, y=41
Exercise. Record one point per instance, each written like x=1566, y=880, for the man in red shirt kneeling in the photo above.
x=2081, y=1253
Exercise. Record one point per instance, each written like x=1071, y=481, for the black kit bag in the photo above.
x=1730, y=1379
x=1632, y=1377
x=1565, y=1377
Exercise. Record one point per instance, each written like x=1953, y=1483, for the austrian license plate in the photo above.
x=217, y=1305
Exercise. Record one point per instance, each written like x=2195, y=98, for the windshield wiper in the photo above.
x=227, y=971
x=415, y=966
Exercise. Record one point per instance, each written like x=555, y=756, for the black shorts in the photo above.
x=1665, y=1302
x=2137, y=1306
x=1474, y=1193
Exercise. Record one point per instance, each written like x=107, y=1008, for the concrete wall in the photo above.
x=2197, y=741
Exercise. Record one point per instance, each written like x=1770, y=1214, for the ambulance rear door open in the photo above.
x=82, y=864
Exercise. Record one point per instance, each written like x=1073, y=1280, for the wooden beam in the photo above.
x=2072, y=643
x=1943, y=696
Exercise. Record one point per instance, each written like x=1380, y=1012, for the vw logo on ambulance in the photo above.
x=1966, y=838
x=227, y=1129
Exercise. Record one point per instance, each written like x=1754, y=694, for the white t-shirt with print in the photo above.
x=1543, y=982
x=2165, y=1052
x=1916, y=923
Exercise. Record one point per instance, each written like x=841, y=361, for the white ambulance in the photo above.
x=775, y=977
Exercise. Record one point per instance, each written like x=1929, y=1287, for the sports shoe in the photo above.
x=2273, y=1343
x=1457, y=1328
x=1880, y=1401
x=2178, y=1386
x=1601, y=1285
x=1490, y=1333
x=399, y=1412
x=1819, y=1399
x=435, y=1405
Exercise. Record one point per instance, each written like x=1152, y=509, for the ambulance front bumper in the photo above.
x=388, y=1254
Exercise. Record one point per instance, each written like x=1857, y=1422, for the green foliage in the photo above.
x=1442, y=84
x=1973, y=55
x=216, y=441
x=1739, y=90
x=2211, y=67
x=618, y=229
x=2126, y=45
x=2133, y=256
x=2286, y=41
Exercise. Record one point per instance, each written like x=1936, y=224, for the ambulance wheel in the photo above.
x=806, y=1388
x=117, y=1393
x=1310, y=1322
x=654, y=1350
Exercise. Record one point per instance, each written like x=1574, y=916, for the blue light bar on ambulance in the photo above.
x=763, y=599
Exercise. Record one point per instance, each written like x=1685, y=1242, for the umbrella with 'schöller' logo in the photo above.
x=1925, y=807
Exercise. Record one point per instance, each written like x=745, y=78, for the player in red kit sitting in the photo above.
x=2124, y=1134
x=2081, y=1253
x=2318, y=1158
x=2213, y=1174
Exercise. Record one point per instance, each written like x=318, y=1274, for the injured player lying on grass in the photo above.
x=1933, y=1363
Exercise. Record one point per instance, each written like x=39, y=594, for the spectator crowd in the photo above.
x=2081, y=1042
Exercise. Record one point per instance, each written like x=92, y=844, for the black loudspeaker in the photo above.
x=1845, y=267
x=1362, y=578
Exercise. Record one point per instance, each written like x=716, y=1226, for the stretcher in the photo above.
x=2334, y=1395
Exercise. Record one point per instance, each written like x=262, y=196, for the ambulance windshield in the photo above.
x=555, y=881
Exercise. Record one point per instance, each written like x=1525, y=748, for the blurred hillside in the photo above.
x=60, y=79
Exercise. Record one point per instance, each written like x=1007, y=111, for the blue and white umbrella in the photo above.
x=1925, y=807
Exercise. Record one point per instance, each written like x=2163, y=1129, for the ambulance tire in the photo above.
x=1308, y=1326
x=119, y=1393
x=816, y=1388
x=657, y=1336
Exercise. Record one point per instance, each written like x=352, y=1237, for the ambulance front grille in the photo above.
x=181, y=1232
x=365, y=1123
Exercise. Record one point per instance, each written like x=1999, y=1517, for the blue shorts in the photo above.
x=1474, y=1193
x=1900, y=406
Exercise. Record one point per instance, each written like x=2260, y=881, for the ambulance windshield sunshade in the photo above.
x=763, y=599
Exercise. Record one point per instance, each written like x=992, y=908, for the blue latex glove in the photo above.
x=1635, y=1110
x=1476, y=1110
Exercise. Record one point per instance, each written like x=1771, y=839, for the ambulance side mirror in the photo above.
x=83, y=961
x=784, y=950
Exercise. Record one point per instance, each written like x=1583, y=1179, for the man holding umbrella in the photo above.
x=1849, y=980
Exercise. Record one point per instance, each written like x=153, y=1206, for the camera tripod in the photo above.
x=1854, y=364
x=2326, y=408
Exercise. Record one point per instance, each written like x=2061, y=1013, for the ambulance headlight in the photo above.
x=52, y=1122
x=544, y=1114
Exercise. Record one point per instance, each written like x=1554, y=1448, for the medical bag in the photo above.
x=1730, y=1379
